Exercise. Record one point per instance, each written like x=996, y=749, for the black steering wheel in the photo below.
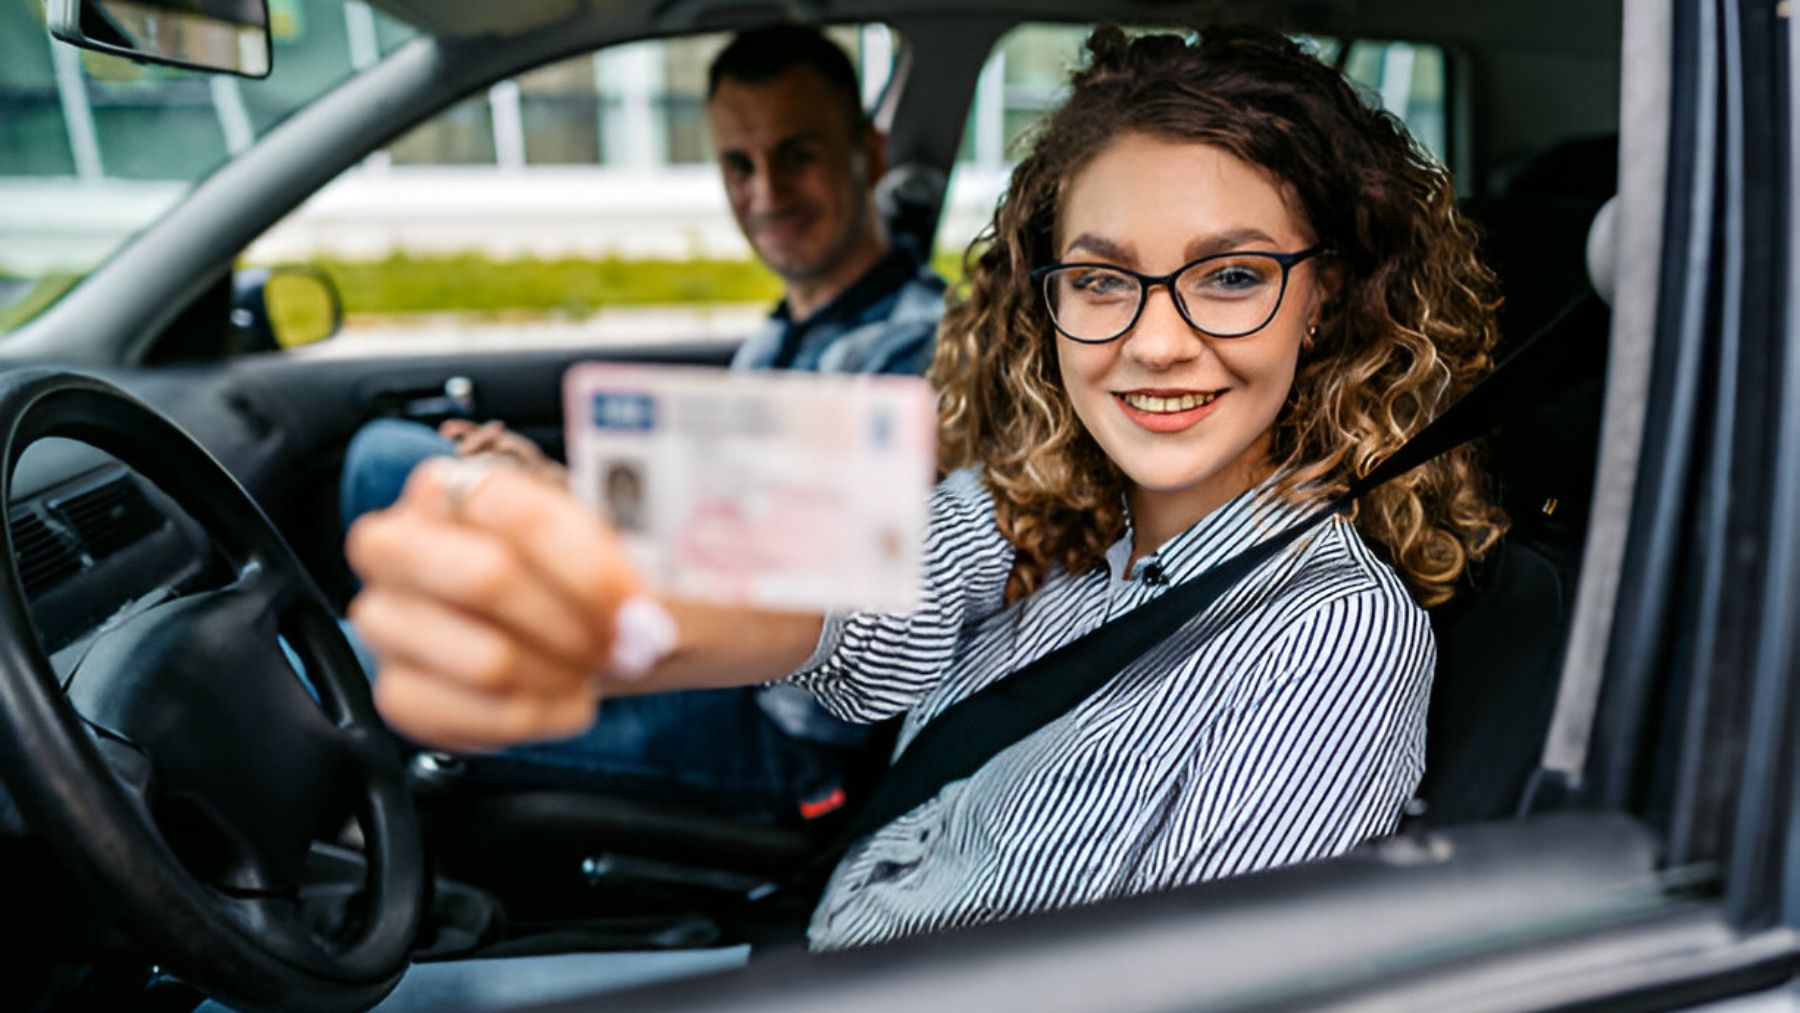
x=189, y=712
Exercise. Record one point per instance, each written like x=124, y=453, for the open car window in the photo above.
x=577, y=204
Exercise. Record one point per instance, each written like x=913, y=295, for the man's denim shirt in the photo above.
x=885, y=322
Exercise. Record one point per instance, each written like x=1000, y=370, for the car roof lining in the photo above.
x=1538, y=26
x=1542, y=54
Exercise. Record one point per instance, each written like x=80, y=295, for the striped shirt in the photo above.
x=1284, y=723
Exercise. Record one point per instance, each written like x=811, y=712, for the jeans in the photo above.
x=380, y=457
x=715, y=749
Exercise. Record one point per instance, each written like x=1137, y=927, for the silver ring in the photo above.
x=461, y=481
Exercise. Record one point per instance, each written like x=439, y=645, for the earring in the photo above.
x=1312, y=335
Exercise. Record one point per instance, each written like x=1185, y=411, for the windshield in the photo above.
x=93, y=148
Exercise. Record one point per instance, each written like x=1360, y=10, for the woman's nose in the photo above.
x=1162, y=337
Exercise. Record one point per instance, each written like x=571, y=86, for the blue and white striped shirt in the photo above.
x=1285, y=723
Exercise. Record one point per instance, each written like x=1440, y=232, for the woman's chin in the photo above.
x=1172, y=482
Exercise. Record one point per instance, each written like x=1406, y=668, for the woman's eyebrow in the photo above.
x=1098, y=245
x=1224, y=242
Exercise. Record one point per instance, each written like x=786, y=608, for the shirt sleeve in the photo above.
x=1323, y=758
x=870, y=666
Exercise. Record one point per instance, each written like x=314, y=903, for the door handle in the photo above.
x=455, y=399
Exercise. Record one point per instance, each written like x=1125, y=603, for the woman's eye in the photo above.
x=1099, y=284
x=1230, y=278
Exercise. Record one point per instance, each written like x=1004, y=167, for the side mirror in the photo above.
x=219, y=35
x=284, y=307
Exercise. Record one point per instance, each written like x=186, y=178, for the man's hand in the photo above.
x=496, y=441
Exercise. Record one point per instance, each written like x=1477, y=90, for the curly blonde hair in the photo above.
x=1409, y=327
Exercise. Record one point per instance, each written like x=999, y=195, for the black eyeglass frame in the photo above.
x=1145, y=282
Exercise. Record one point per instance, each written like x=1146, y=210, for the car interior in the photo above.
x=112, y=531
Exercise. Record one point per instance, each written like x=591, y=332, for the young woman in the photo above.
x=1220, y=287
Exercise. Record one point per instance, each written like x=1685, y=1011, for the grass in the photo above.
x=477, y=285
x=47, y=290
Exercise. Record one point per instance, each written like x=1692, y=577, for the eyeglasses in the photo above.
x=1225, y=295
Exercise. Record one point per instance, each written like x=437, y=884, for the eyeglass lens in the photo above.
x=1225, y=296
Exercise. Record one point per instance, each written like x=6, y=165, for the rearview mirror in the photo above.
x=220, y=35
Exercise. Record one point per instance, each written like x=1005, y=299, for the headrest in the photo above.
x=1581, y=167
x=1603, y=249
x=907, y=197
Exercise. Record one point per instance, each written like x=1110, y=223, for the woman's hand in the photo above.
x=489, y=597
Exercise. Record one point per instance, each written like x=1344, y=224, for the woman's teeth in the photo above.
x=1182, y=403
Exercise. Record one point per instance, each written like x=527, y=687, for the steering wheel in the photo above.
x=186, y=770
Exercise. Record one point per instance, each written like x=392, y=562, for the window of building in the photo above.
x=559, y=106
x=34, y=135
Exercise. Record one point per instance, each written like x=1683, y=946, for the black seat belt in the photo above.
x=968, y=734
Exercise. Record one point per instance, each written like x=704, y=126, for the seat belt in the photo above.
x=961, y=740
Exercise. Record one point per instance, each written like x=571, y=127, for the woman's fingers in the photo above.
x=409, y=550
x=490, y=598
x=461, y=647
x=552, y=532
x=420, y=704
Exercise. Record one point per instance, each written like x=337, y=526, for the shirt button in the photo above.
x=1153, y=573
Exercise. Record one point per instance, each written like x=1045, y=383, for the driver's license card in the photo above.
x=788, y=491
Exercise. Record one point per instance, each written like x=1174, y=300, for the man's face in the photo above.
x=796, y=176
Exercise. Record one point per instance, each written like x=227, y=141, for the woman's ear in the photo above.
x=1330, y=283
x=1324, y=293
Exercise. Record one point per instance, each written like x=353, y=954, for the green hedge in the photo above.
x=475, y=284
x=472, y=283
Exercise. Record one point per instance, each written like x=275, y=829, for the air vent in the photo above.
x=44, y=558
x=110, y=516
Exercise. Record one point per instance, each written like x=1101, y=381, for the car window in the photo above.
x=93, y=147
x=577, y=203
x=1027, y=74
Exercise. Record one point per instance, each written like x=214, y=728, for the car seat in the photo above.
x=1501, y=639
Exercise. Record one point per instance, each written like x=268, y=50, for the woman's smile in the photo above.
x=1168, y=411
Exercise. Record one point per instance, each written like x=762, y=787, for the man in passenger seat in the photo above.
x=799, y=159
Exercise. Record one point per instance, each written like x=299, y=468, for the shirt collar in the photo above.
x=1253, y=515
x=893, y=270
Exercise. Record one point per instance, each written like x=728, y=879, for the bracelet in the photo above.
x=643, y=634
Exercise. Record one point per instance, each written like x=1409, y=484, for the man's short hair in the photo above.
x=760, y=55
